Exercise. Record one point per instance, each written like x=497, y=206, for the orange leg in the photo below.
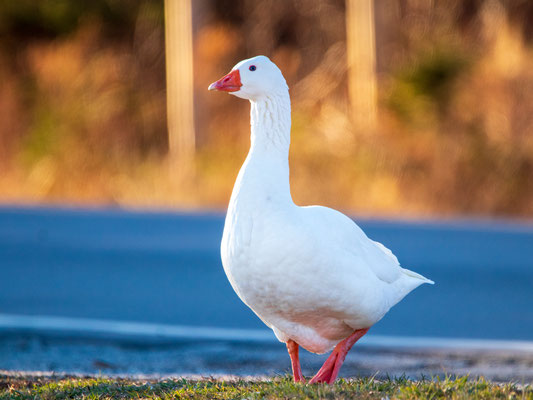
x=292, y=347
x=330, y=370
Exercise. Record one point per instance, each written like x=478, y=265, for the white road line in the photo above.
x=87, y=327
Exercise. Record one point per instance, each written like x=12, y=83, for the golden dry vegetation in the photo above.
x=82, y=105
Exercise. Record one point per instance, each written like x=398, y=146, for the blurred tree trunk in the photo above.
x=361, y=49
x=179, y=72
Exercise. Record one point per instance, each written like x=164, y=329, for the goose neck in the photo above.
x=270, y=118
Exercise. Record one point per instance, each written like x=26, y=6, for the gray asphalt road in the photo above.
x=165, y=268
x=220, y=358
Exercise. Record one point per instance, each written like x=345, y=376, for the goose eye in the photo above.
x=252, y=68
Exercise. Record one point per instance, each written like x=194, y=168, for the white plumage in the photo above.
x=310, y=273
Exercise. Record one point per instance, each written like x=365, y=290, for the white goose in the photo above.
x=310, y=273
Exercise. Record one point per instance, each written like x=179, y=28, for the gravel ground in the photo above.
x=223, y=358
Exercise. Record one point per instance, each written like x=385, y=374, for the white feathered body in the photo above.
x=310, y=273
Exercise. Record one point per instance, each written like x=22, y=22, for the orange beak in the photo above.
x=229, y=83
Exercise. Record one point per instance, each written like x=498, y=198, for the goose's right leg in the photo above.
x=292, y=347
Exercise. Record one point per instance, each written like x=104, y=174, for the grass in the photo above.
x=18, y=387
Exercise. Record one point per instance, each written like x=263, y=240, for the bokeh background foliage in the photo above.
x=83, y=104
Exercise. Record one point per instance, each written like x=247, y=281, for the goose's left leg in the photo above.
x=329, y=371
x=292, y=347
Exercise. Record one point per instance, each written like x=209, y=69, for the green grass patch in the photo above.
x=15, y=387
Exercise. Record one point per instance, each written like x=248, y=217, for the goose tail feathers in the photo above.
x=417, y=276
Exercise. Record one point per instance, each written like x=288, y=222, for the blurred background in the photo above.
x=403, y=108
x=441, y=126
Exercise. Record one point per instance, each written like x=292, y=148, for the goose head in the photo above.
x=252, y=79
